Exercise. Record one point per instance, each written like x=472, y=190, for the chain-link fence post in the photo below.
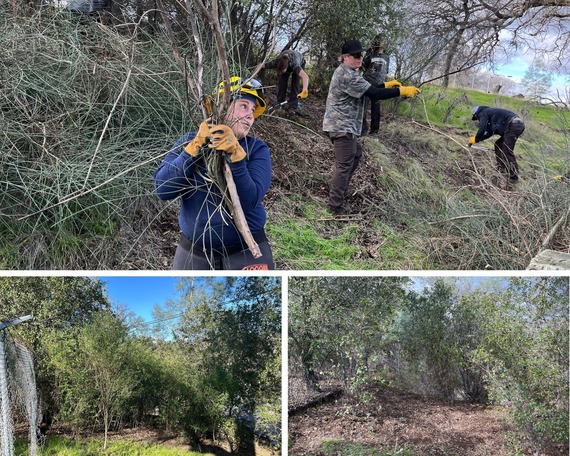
x=6, y=425
x=6, y=415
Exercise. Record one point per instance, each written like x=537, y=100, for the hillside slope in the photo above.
x=420, y=200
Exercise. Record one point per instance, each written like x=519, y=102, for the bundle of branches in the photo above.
x=217, y=168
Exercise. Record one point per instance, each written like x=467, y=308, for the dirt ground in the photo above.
x=395, y=417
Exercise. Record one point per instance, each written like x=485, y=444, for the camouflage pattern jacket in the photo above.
x=345, y=104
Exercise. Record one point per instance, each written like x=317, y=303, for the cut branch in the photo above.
x=550, y=236
x=237, y=212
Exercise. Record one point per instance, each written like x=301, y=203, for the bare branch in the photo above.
x=181, y=62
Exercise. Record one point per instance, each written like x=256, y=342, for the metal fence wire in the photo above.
x=6, y=424
x=18, y=394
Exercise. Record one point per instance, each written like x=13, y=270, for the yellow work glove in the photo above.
x=472, y=140
x=391, y=84
x=409, y=91
x=222, y=138
x=193, y=147
x=304, y=94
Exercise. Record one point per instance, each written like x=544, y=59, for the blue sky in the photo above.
x=517, y=69
x=141, y=294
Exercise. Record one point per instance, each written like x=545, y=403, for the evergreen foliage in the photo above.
x=502, y=341
x=218, y=377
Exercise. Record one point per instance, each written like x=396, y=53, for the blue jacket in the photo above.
x=203, y=220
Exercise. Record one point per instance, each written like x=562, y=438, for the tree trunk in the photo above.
x=454, y=46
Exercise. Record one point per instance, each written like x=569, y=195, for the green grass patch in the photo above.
x=452, y=107
x=59, y=446
x=317, y=242
x=329, y=244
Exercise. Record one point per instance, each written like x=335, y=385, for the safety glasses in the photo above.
x=254, y=83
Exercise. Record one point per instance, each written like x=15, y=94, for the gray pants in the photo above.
x=347, y=152
x=188, y=258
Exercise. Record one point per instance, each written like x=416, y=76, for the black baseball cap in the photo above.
x=352, y=47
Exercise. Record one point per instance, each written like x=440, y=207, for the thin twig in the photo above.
x=200, y=55
x=81, y=193
x=450, y=73
x=550, y=236
x=213, y=21
x=459, y=217
x=181, y=63
x=125, y=85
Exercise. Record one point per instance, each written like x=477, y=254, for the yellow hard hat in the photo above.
x=240, y=86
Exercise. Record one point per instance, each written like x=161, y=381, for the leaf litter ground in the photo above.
x=394, y=418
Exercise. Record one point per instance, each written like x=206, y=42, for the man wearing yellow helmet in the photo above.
x=209, y=238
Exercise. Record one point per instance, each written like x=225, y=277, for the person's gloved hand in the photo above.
x=304, y=94
x=222, y=138
x=472, y=140
x=193, y=147
x=391, y=84
x=409, y=91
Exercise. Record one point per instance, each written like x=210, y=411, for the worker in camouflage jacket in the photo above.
x=375, y=66
x=509, y=126
x=344, y=117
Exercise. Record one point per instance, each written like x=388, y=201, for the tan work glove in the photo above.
x=409, y=91
x=391, y=84
x=193, y=147
x=304, y=94
x=222, y=138
x=472, y=140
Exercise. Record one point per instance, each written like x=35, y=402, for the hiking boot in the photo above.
x=337, y=210
x=299, y=112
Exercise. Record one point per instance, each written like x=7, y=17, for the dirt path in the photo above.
x=431, y=426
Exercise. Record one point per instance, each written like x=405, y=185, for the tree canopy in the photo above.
x=215, y=371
